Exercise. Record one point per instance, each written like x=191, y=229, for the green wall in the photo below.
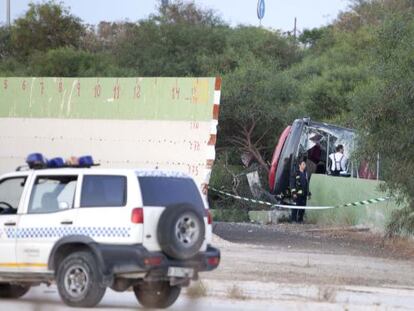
x=328, y=190
x=108, y=98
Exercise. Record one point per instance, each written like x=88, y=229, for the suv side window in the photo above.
x=52, y=194
x=165, y=191
x=103, y=191
x=11, y=190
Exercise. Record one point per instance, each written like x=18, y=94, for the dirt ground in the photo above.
x=356, y=241
x=309, y=254
x=345, y=267
x=282, y=267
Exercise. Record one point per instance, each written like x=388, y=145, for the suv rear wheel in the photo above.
x=79, y=280
x=181, y=231
x=159, y=295
x=13, y=291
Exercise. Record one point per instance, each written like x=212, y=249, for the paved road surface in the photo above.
x=46, y=299
x=281, y=268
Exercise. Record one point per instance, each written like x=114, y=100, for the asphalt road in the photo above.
x=284, y=267
x=47, y=299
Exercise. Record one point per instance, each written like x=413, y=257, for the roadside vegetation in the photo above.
x=197, y=290
x=356, y=72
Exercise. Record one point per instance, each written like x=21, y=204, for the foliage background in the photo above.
x=357, y=72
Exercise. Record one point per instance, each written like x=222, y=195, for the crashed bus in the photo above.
x=314, y=141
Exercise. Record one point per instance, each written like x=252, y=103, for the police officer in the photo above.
x=299, y=186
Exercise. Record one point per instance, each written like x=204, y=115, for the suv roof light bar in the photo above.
x=36, y=161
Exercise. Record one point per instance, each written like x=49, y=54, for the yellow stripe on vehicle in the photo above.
x=22, y=265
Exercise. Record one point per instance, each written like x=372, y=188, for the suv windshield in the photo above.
x=165, y=191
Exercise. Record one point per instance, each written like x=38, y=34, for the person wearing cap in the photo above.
x=339, y=161
x=300, y=191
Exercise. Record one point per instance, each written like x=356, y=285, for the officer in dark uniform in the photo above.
x=299, y=186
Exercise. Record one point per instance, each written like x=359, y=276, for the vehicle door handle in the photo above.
x=10, y=224
x=67, y=222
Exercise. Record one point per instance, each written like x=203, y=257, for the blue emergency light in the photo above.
x=36, y=161
x=85, y=161
x=55, y=163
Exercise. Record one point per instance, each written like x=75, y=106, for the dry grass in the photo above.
x=400, y=246
x=395, y=247
x=236, y=293
x=327, y=294
x=197, y=290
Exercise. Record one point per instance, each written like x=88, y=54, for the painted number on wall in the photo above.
x=193, y=170
x=194, y=125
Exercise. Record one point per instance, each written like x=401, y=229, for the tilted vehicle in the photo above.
x=300, y=140
x=88, y=229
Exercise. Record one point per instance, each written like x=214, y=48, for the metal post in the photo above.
x=352, y=169
x=8, y=21
x=378, y=165
x=353, y=160
x=327, y=153
x=294, y=29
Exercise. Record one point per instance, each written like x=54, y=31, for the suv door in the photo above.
x=50, y=215
x=11, y=192
x=106, y=204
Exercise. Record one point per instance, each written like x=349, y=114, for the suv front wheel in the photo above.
x=159, y=295
x=13, y=291
x=79, y=280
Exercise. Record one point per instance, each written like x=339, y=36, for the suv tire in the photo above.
x=156, y=295
x=79, y=280
x=181, y=231
x=13, y=291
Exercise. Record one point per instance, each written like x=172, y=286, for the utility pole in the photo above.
x=295, y=29
x=8, y=22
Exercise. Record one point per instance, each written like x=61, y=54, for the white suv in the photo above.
x=88, y=229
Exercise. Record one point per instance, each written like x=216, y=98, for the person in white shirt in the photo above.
x=339, y=161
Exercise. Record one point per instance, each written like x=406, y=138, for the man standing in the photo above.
x=300, y=191
x=339, y=161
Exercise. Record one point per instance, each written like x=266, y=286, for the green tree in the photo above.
x=46, y=26
x=181, y=40
x=256, y=100
x=309, y=37
x=247, y=43
x=67, y=62
x=384, y=111
x=5, y=42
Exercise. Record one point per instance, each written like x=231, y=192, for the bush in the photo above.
x=402, y=222
x=68, y=62
x=232, y=179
